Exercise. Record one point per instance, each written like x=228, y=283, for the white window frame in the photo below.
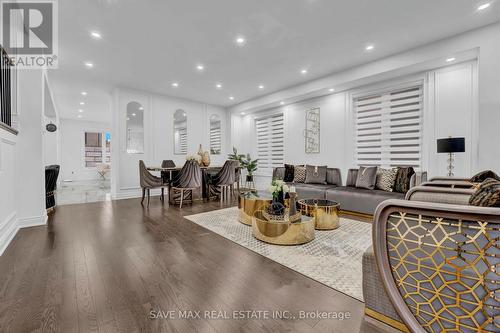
x=384, y=87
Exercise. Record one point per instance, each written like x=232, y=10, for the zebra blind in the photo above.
x=270, y=141
x=215, y=137
x=389, y=128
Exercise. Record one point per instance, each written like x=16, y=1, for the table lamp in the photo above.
x=451, y=146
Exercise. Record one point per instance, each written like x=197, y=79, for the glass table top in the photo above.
x=257, y=195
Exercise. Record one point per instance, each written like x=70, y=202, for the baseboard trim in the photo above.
x=8, y=231
x=133, y=193
x=11, y=226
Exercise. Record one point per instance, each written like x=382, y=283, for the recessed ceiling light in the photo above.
x=141, y=108
x=82, y=103
x=200, y=67
x=484, y=6
x=331, y=90
x=282, y=103
x=95, y=34
x=218, y=85
x=128, y=118
x=175, y=84
x=369, y=47
x=231, y=97
x=133, y=114
x=79, y=116
x=450, y=59
x=80, y=110
x=89, y=64
x=240, y=40
x=261, y=86
x=243, y=113
x=303, y=71
x=84, y=93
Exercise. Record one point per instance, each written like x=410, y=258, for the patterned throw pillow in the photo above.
x=367, y=177
x=403, y=177
x=289, y=172
x=487, y=195
x=299, y=174
x=386, y=179
x=315, y=174
x=483, y=175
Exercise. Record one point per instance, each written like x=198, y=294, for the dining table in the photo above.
x=206, y=172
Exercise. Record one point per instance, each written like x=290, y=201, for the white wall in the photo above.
x=457, y=109
x=450, y=109
x=159, y=137
x=8, y=177
x=72, y=148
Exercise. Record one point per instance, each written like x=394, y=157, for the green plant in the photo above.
x=249, y=164
x=235, y=156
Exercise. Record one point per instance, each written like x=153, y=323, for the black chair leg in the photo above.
x=162, y=198
x=148, y=196
x=143, y=194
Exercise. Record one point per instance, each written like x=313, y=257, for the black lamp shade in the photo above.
x=451, y=145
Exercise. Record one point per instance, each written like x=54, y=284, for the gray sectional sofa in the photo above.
x=350, y=198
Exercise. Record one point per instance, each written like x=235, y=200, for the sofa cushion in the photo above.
x=333, y=176
x=483, y=175
x=358, y=199
x=311, y=191
x=289, y=172
x=352, y=175
x=386, y=179
x=367, y=176
x=487, y=194
x=279, y=173
x=315, y=174
x=403, y=179
x=299, y=174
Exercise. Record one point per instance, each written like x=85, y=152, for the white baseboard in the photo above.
x=10, y=227
x=133, y=193
x=8, y=230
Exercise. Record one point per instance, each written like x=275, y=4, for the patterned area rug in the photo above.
x=332, y=258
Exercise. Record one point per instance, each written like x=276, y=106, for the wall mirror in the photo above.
x=215, y=135
x=180, y=132
x=135, y=128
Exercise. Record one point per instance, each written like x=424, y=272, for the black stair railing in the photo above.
x=6, y=68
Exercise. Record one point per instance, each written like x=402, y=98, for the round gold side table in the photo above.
x=325, y=212
x=282, y=233
x=252, y=201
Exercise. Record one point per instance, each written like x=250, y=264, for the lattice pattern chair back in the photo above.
x=439, y=264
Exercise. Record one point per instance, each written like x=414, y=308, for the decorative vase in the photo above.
x=205, y=159
x=292, y=203
x=277, y=206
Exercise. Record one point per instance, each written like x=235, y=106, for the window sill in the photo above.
x=8, y=128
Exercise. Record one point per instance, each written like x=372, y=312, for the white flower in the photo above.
x=279, y=182
x=272, y=188
x=286, y=188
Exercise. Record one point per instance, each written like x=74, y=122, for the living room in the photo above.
x=250, y=166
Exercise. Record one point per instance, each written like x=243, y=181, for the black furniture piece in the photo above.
x=51, y=174
x=451, y=146
x=165, y=175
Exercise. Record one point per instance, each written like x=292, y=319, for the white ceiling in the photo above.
x=147, y=45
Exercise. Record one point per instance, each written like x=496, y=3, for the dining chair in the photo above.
x=222, y=184
x=167, y=175
x=149, y=181
x=188, y=179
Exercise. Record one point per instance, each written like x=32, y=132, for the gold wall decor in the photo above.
x=312, y=131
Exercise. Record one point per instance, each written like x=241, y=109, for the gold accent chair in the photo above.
x=439, y=262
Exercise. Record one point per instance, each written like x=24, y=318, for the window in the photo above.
x=389, y=127
x=215, y=135
x=93, y=149
x=270, y=141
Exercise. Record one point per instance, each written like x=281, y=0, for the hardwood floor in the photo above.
x=103, y=267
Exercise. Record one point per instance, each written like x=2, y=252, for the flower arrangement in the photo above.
x=196, y=158
x=278, y=188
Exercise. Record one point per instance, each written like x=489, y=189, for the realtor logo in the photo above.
x=29, y=32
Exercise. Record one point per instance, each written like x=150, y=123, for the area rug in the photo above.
x=333, y=258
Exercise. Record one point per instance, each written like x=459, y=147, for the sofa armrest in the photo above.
x=433, y=179
x=450, y=183
x=418, y=178
x=417, y=241
x=440, y=195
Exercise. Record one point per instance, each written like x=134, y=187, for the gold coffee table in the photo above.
x=325, y=212
x=252, y=201
x=282, y=233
